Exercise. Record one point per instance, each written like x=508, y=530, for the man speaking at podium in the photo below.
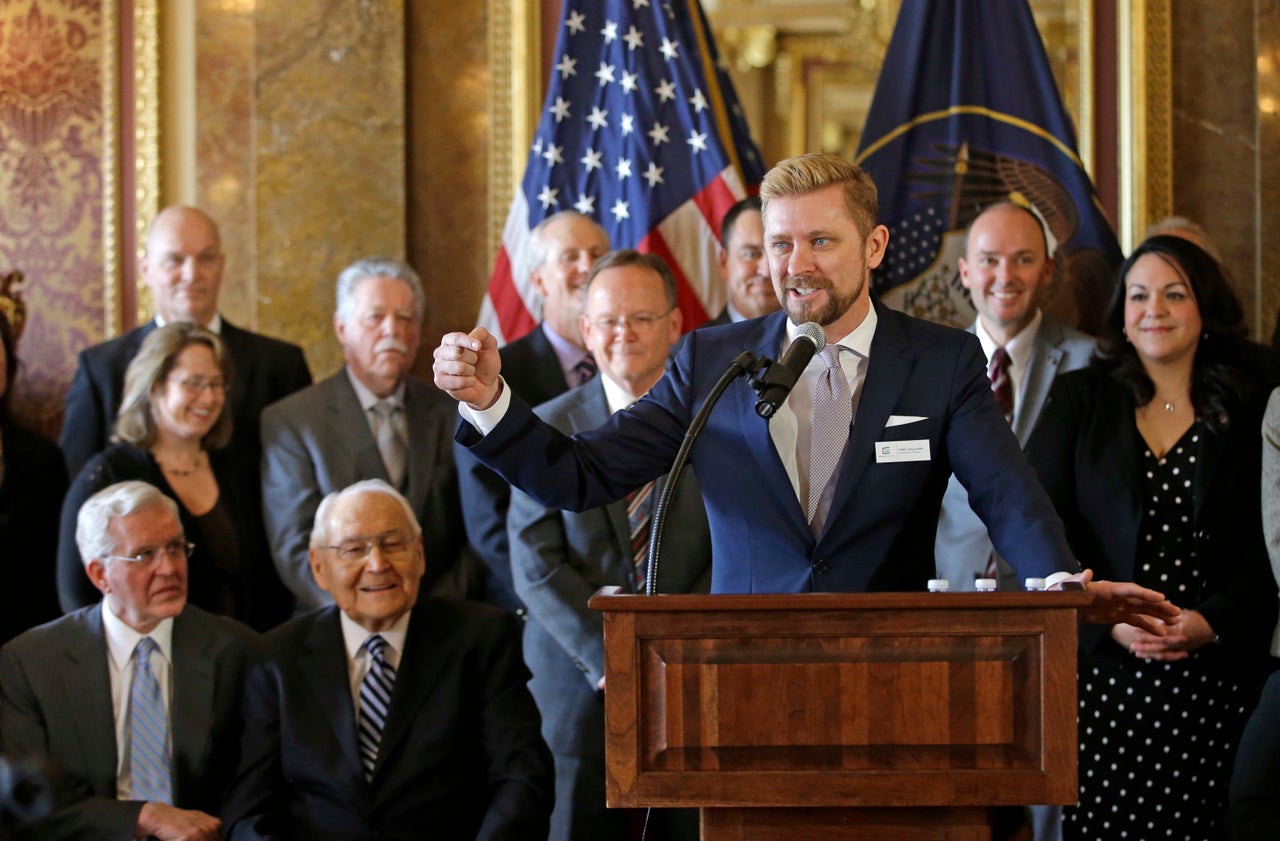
x=839, y=491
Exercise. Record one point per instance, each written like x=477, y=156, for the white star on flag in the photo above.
x=567, y=66
x=599, y=118
x=548, y=197
x=630, y=81
x=698, y=101
x=620, y=210
x=670, y=49
x=666, y=90
x=624, y=168
x=653, y=174
x=634, y=38
x=658, y=134
x=610, y=31
x=592, y=160
x=576, y=22
x=698, y=140
x=560, y=109
x=628, y=123
x=553, y=154
x=605, y=74
x=586, y=205
x=639, y=4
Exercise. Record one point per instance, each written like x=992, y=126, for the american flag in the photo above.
x=642, y=131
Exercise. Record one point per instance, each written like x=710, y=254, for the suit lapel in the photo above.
x=324, y=662
x=1212, y=448
x=590, y=408
x=420, y=665
x=422, y=427
x=192, y=714
x=87, y=684
x=1046, y=358
x=234, y=339
x=350, y=429
x=766, y=340
x=887, y=372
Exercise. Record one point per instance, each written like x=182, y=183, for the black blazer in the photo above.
x=532, y=369
x=35, y=481
x=253, y=582
x=461, y=758
x=55, y=700
x=1087, y=451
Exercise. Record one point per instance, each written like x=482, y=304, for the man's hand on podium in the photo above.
x=1123, y=602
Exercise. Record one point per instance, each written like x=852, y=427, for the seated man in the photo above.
x=135, y=698
x=388, y=715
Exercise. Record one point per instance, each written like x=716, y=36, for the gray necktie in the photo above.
x=390, y=443
x=831, y=417
x=149, y=762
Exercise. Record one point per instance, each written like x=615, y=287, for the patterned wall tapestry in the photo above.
x=51, y=189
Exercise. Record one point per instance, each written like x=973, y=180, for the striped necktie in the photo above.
x=585, y=370
x=1001, y=383
x=639, y=512
x=149, y=764
x=375, y=700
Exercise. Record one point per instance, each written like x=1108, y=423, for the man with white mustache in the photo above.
x=370, y=420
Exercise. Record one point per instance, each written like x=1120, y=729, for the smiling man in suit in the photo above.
x=889, y=411
x=370, y=420
x=387, y=714
x=1007, y=269
x=135, y=698
x=183, y=269
x=545, y=363
x=558, y=559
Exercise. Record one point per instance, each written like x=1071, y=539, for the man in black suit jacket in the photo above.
x=183, y=268
x=65, y=687
x=743, y=265
x=543, y=364
x=385, y=715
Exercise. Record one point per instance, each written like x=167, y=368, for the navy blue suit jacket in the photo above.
x=880, y=533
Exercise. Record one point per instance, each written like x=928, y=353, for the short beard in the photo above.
x=828, y=313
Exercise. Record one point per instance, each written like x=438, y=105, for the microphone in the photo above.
x=778, y=379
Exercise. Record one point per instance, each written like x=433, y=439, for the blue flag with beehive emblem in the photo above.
x=966, y=113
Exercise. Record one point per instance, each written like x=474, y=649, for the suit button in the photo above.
x=820, y=567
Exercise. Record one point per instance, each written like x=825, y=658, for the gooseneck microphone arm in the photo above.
x=745, y=363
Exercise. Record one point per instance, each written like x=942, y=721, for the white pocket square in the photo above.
x=900, y=420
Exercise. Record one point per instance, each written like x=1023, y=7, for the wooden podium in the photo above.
x=816, y=717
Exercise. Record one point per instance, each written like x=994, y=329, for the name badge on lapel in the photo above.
x=893, y=451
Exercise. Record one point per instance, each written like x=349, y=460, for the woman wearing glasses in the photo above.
x=171, y=425
x=1151, y=456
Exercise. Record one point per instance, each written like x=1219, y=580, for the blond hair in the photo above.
x=806, y=174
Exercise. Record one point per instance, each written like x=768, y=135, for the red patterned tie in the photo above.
x=1001, y=383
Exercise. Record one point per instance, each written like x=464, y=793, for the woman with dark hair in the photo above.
x=33, y=481
x=173, y=422
x=1151, y=456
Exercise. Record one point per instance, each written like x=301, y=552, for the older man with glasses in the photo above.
x=385, y=714
x=136, y=697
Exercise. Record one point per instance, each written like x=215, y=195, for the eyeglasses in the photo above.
x=392, y=544
x=173, y=550
x=639, y=322
x=195, y=386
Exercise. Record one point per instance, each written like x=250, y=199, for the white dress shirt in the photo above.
x=358, y=659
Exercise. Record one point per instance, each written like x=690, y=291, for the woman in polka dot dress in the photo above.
x=1152, y=457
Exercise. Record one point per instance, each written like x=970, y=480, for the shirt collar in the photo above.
x=122, y=639
x=567, y=352
x=214, y=326
x=616, y=396
x=1019, y=347
x=367, y=398
x=734, y=315
x=354, y=634
x=857, y=340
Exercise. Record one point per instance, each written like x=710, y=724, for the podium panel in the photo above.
x=853, y=700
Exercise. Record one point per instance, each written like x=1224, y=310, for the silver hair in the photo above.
x=320, y=529
x=350, y=277
x=535, y=249
x=93, y=522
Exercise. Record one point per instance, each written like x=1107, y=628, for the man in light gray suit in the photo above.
x=1006, y=268
x=69, y=689
x=370, y=420
x=559, y=558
